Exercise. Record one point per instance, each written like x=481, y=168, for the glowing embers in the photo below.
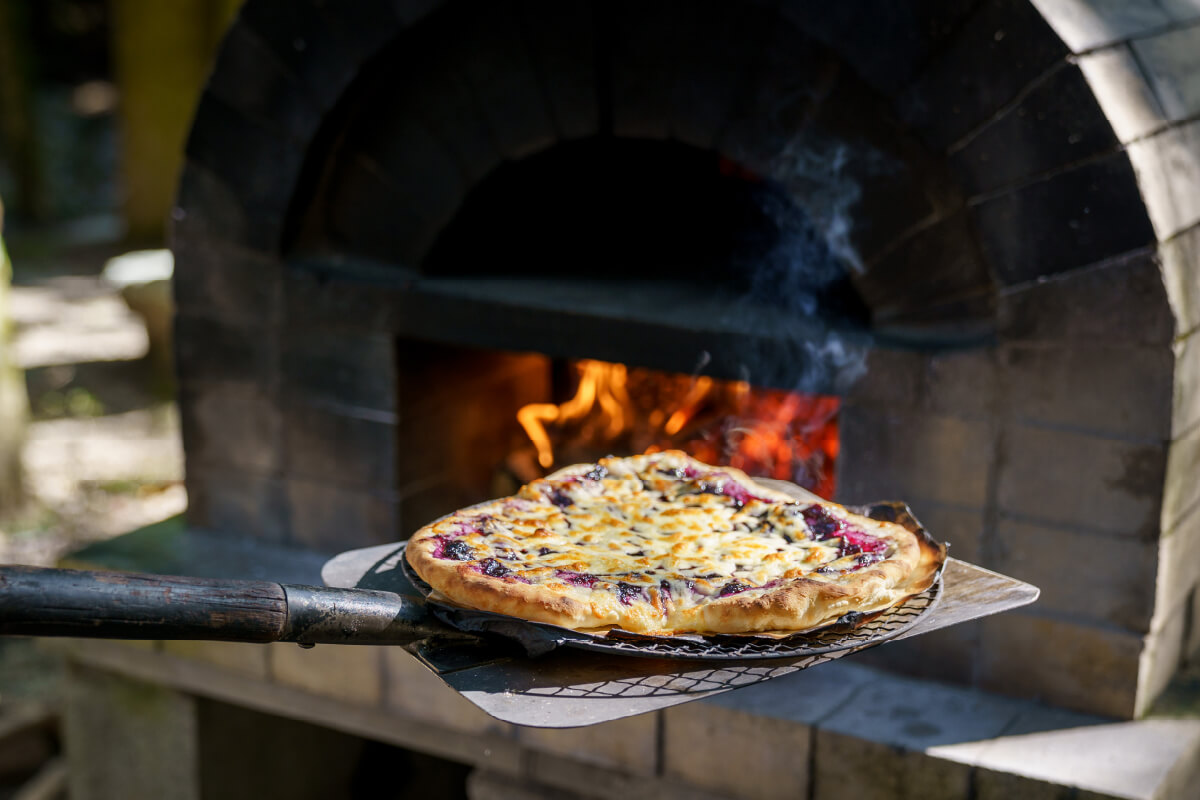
x=617, y=410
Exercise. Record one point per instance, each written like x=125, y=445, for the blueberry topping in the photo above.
x=560, y=498
x=664, y=590
x=493, y=568
x=627, y=593
x=733, y=587
x=596, y=473
x=545, y=551
x=458, y=550
x=636, y=553
x=821, y=522
x=576, y=578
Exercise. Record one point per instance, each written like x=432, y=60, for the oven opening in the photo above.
x=480, y=423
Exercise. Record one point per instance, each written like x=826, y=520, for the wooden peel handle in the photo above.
x=36, y=601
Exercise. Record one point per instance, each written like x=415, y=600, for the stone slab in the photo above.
x=1121, y=88
x=1088, y=24
x=1128, y=760
x=1172, y=64
x=1167, y=165
x=628, y=745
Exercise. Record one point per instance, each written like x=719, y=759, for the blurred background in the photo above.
x=96, y=97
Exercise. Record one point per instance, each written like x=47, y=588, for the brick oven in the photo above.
x=973, y=227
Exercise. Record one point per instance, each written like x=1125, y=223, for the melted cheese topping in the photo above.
x=657, y=530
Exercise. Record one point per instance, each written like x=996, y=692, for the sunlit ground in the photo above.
x=103, y=454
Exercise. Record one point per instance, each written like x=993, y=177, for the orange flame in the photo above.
x=599, y=381
x=765, y=432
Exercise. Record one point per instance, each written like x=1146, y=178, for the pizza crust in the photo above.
x=800, y=600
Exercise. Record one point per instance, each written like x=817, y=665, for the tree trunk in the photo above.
x=14, y=404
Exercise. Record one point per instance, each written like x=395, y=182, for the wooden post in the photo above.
x=162, y=55
x=14, y=403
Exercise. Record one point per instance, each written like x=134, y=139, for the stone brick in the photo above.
x=207, y=349
x=938, y=263
x=303, y=41
x=1123, y=92
x=333, y=446
x=882, y=772
x=231, y=424
x=350, y=673
x=894, y=380
x=220, y=280
x=1095, y=577
x=486, y=785
x=332, y=519
x=1118, y=391
x=336, y=368
x=224, y=140
x=1181, y=494
x=1186, y=403
x=710, y=70
x=125, y=738
x=444, y=101
x=1069, y=478
x=410, y=12
x=416, y=165
x=1089, y=669
x=374, y=219
x=1123, y=301
x=1070, y=220
x=1168, y=169
x=947, y=655
x=1172, y=64
x=772, y=754
x=1057, y=123
x=643, y=41
x=1162, y=656
x=230, y=502
x=206, y=208
x=961, y=528
x=1180, y=262
x=496, y=62
x=879, y=453
x=557, y=774
x=1179, y=565
x=1088, y=24
x=413, y=690
x=994, y=785
x=960, y=87
x=962, y=383
x=626, y=744
x=245, y=659
x=562, y=47
x=247, y=76
x=915, y=32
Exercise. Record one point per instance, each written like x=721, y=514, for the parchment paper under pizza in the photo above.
x=662, y=544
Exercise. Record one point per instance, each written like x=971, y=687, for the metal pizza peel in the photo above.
x=574, y=680
x=570, y=687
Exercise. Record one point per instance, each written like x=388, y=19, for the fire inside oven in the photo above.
x=503, y=419
x=620, y=410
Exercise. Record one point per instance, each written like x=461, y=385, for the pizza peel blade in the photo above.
x=570, y=688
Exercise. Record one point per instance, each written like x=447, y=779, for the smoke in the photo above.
x=808, y=325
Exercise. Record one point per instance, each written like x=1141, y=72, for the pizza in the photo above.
x=663, y=544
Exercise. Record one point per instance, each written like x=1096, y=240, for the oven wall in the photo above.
x=1057, y=225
